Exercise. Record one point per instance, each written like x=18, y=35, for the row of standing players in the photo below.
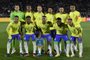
x=47, y=23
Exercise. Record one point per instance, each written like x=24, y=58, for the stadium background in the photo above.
x=6, y=6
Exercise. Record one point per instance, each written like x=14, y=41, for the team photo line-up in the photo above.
x=39, y=26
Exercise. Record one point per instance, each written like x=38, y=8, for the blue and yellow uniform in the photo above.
x=61, y=32
x=13, y=30
x=76, y=17
x=29, y=31
x=46, y=31
x=76, y=32
x=63, y=16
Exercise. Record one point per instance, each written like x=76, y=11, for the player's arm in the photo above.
x=22, y=17
x=78, y=17
x=8, y=29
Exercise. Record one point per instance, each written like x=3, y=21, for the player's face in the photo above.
x=61, y=10
x=69, y=21
x=16, y=19
x=58, y=22
x=29, y=8
x=17, y=7
x=28, y=20
x=39, y=8
x=72, y=8
x=50, y=10
x=43, y=20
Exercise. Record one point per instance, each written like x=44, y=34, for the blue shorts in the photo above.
x=47, y=36
x=16, y=36
x=53, y=33
x=59, y=37
x=27, y=37
x=72, y=38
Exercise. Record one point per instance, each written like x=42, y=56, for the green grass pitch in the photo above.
x=3, y=42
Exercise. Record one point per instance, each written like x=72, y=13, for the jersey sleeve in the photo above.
x=8, y=29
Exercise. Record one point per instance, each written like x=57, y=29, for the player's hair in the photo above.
x=16, y=16
x=16, y=5
x=28, y=5
x=28, y=17
x=58, y=19
x=44, y=16
x=69, y=19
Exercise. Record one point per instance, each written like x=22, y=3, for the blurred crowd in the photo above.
x=6, y=6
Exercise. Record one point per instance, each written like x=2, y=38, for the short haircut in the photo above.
x=16, y=16
x=69, y=19
x=58, y=19
x=28, y=17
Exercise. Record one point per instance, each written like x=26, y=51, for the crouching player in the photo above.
x=29, y=27
x=13, y=31
x=44, y=26
x=76, y=34
x=39, y=42
x=61, y=33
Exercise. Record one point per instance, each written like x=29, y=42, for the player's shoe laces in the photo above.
x=57, y=55
x=13, y=51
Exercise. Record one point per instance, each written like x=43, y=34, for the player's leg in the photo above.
x=26, y=40
x=13, y=46
x=20, y=43
x=60, y=47
x=34, y=44
x=75, y=46
x=39, y=50
x=80, y=46
x=65, y=38
x=72, y=45
x=49, y=40
x=9, y=45
x=56, y=47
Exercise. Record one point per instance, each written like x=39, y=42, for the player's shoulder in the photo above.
x=57, y=13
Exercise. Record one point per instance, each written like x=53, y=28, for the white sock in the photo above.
x=20, y=46
x=50, y=49
x=80, y=48
x=60, y=46
x=8, y=47
x=39, y=50
x=72, y=50
x=26, y=46
x=67, y=49
x=34, y=46
x=56, y=47
x=75, y=47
